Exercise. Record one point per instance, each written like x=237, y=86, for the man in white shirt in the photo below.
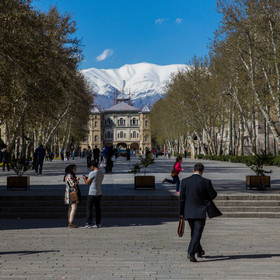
x=94, y=180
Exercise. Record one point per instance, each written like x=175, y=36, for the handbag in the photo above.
x=212, y=210
x=173, y=172
x=103, y=163
x=73, y=196
x=181, y=227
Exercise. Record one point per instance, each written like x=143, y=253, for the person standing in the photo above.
x=196, y=192
x=72, y=185
x=175, y=174
x=39, y=159
x=5, y=159
x=62, y=154
x=89, y=155
x=96, y=154
x=109, y=162
x=94, y=180
x=127, y=154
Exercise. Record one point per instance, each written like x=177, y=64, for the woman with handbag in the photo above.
x=175, y=174
x=71, y=193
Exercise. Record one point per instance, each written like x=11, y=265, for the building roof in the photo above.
x=95, y=110
x=122, y=106
x=146, y=109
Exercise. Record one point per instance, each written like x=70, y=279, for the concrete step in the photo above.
x=137, y=206
x=247, y=202
x=251, y=215
x=249, y=209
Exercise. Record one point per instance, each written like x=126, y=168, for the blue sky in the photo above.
x=119, y=32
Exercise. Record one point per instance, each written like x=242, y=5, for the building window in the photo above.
x=108, y=134
x=137, y=135
x=118, y=135
x=146, y=123
x=121, y=134
x=134, y=134
x=111, y=135
x=134, y=121
x=95, y=124
x=124, y=135
x=121, y=121
x=95, y=138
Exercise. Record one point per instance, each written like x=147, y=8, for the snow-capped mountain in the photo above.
x=144, y=82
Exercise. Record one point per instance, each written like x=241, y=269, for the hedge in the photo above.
x=270, y=159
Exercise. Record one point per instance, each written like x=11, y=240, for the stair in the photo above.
x=52, y=207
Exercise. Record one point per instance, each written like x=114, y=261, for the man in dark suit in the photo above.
x=196, y=192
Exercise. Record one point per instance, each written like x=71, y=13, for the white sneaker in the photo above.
x=87, y=226
x=96, y=226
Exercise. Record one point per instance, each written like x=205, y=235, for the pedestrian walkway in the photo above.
x=227, y=178
x=141, y=249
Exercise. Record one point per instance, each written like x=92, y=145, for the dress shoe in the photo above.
x=201, y=254
x=192, y=258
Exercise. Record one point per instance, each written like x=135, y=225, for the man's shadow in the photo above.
x=237, y=257
x=22, y=253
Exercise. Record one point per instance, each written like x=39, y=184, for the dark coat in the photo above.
x=6, y=156
x=196, y=192
x=40, y=153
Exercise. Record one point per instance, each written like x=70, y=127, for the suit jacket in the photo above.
x=196, y=192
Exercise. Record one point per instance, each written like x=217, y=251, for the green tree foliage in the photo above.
x=42, y=93
x=218, y=103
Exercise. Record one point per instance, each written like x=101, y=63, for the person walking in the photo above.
x=94, y=180
x=196, y=193
x=175, y=174
x=39, y=159
x=72, y=185
x=5, y=159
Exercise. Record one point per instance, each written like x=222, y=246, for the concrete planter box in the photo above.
x=258, y=182
x=18, y=182
x=144, y=182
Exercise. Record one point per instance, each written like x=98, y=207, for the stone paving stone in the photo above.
x=235, y=249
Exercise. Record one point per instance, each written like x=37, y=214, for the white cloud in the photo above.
x=159, y=20
x=179, y=20
x=106, y=53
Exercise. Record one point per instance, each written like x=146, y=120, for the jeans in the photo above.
x=93, y=199
x=176, y=181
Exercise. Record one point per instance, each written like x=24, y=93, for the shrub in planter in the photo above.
x=260, y=181
x=143, y=181
x=20, y=166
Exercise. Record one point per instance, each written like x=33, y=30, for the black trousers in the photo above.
x=197, y=227
x=93, y=200
x=39, y=165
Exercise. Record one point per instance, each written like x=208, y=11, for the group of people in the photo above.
x=94, y=182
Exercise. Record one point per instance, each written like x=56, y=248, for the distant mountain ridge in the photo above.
x=144, y=82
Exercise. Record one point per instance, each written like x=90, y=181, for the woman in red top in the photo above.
x=175, y=174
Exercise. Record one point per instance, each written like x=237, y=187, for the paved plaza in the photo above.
x=139, y=248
